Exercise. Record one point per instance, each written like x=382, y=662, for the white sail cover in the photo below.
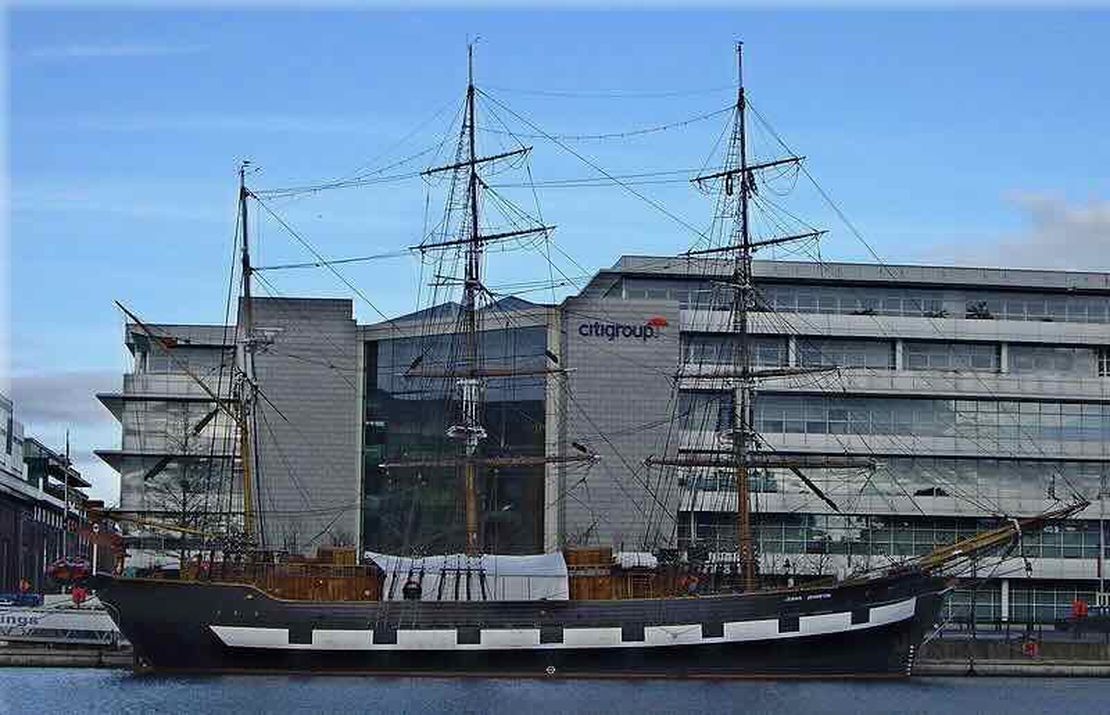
x=635, y=559
x=507, y=578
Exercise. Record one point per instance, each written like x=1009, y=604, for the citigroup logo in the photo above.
x=611, y=331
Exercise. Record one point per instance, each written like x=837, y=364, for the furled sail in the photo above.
x=485, y=577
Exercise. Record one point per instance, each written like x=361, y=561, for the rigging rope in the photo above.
x=353, y=178
x=332, y=262
x=611, y=93
x=324, y=261
x=593, y=165
x=616, y=135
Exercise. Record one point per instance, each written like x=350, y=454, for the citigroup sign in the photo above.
x=612, y=331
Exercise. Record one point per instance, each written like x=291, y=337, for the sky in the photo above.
x=955, y=137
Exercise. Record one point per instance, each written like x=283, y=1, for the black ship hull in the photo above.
x=856, y=629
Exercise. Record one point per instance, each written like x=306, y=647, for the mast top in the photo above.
x=243, y=166
x=740, y=64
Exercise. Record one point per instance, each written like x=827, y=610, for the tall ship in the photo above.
x=455, y=606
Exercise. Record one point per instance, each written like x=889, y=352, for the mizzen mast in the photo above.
x=737, y=180
x=736, y=171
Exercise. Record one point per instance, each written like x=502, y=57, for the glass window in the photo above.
x=1053, y=360
x=828, y=303
x=846, y=352
x=891, y=305
x=701, y=411
x=961, y=356
x=201, y=361
x=7, y=424
x=983, y=423
x=855, y=300
x=718, y=349
x=407, y=417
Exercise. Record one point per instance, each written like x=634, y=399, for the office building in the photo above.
x=978, y=392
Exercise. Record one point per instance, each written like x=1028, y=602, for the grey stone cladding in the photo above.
x=623, y=356
x=308, y=454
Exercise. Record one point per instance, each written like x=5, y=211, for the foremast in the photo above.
x=245, y=383
x=239, y=407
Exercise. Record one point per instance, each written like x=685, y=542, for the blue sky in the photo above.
x=953, y=137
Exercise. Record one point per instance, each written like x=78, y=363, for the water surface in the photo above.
x=66, y=690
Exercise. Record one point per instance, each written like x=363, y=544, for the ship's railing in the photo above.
x=594, y=575
x=294, y=580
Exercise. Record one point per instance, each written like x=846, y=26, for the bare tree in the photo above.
x=184, y=490
x=180, y=496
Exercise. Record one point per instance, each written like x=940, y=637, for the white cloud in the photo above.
x=63, y=398
x=104, y=479
x=108, y=51
x=51, y=403
x=1057, y=234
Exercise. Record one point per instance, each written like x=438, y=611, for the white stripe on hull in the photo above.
x=751, y=630
x=826, y=623
x=894, y=611
x=341, y=640
x=529, y=638
x=501, y=638
x=673, y=635
x=591, y=637
x=440, y=639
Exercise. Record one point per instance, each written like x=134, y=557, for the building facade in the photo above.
x=43, y=513
x=172, y=459
x=408, y=412
x=178, y=456
x=979, y=393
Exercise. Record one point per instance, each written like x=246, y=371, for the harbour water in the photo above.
x=56, y=690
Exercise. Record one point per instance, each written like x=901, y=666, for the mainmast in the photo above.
x=470, y=386
x=470, y=375
x=742, y=278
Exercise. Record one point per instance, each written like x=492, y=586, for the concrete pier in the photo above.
x=1012, y=668
x=25, y=656
x=1051, y=657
